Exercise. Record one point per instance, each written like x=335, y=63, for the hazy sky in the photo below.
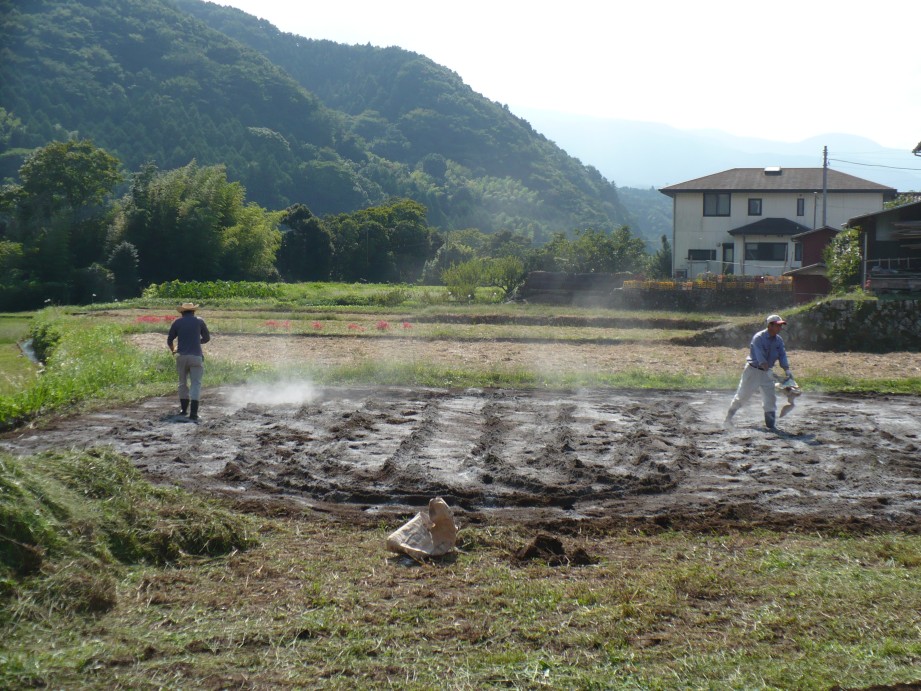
x=784, y=70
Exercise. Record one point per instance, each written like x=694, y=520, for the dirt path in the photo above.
x=589, y=457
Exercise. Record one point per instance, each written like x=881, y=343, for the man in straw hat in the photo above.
x=766, y=349
x=191, y=332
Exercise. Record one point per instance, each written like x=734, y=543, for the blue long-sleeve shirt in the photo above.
x=191, y=332
x=766, y=350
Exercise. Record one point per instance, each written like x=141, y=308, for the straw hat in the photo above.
x=188, y=307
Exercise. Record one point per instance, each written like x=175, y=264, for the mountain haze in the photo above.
x=646, y=154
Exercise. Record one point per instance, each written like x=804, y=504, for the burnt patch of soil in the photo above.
x=558, y=460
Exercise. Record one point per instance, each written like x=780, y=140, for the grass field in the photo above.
x=16, y=372
x=109, y=582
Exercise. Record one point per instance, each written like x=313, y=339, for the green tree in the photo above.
x=842, y=259
x=660, y=263
x=507, y=273
x=306, y=250
x=462, y=280
x=67, y=176
x=250, y=244
x=191, y=223
x=56, y=213
x=123, y=263
x=381, y=244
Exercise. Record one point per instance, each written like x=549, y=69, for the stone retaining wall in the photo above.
x=871, y=326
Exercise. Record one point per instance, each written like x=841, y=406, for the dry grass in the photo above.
x=656, y=358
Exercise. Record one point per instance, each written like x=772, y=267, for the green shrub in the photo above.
x=213, y=290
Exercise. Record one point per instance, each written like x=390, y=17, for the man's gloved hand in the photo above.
x=789, y=373
x=764, y=366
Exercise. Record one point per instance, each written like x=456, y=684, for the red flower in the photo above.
x=317, y=325
x=407, y=325
x=383, y=325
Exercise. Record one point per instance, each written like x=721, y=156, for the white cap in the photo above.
x=775, y=319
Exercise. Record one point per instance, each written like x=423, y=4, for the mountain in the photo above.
x=335, y=127
x=644, y=154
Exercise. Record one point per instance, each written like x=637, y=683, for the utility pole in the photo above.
x=824, y=186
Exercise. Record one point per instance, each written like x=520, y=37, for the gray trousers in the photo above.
x=752, y=380
x=190, y=367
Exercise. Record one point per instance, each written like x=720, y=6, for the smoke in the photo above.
x=275, y=393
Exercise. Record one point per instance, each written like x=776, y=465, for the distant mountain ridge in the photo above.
x=645, y=154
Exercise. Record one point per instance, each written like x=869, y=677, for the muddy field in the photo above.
x=594, y=457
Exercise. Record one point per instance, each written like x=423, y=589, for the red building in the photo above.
x=810, y=280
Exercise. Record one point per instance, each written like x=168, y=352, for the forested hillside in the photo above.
x=336, y=128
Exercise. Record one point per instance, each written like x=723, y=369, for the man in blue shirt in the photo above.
x=191, y=332
x=766, y=349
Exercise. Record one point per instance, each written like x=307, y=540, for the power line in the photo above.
x=872, y=165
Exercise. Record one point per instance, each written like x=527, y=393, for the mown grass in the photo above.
x=69, y=519
x=319, y=604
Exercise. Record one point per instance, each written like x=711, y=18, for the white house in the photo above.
x=742, y=221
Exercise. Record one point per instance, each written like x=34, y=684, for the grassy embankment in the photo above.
x=108, y=582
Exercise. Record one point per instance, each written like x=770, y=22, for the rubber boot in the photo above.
x=193, y=411
x=770, y=420
x=183, y=405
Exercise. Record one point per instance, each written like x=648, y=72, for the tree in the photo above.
x=123, y=263
x=67, y=176
x=507, y=273
x=191, y=223
x=56, y=212
x=660, y=263
x=306, y=246
x=250, y=244
x=842, y=259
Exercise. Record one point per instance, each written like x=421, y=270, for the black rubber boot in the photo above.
x=183, y=405
x=193, y=412
x=770, y=420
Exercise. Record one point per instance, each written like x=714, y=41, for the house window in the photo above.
x=800, y=207
x=765, y=251
x=716, y=203
x=798, y=252
x=701, y=255
x=754, y=207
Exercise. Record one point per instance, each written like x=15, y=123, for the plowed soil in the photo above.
x=553, y=459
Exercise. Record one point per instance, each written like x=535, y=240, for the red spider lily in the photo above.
x=355, y=327
x=407, y=325
x=277, y=324
x=153, y=319
x=317, y=325
x=382, y=325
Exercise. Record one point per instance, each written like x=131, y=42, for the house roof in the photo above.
x=777, y=180
x=812, y=270
x=910, y=207
x=823, y=229
x=771, y=226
